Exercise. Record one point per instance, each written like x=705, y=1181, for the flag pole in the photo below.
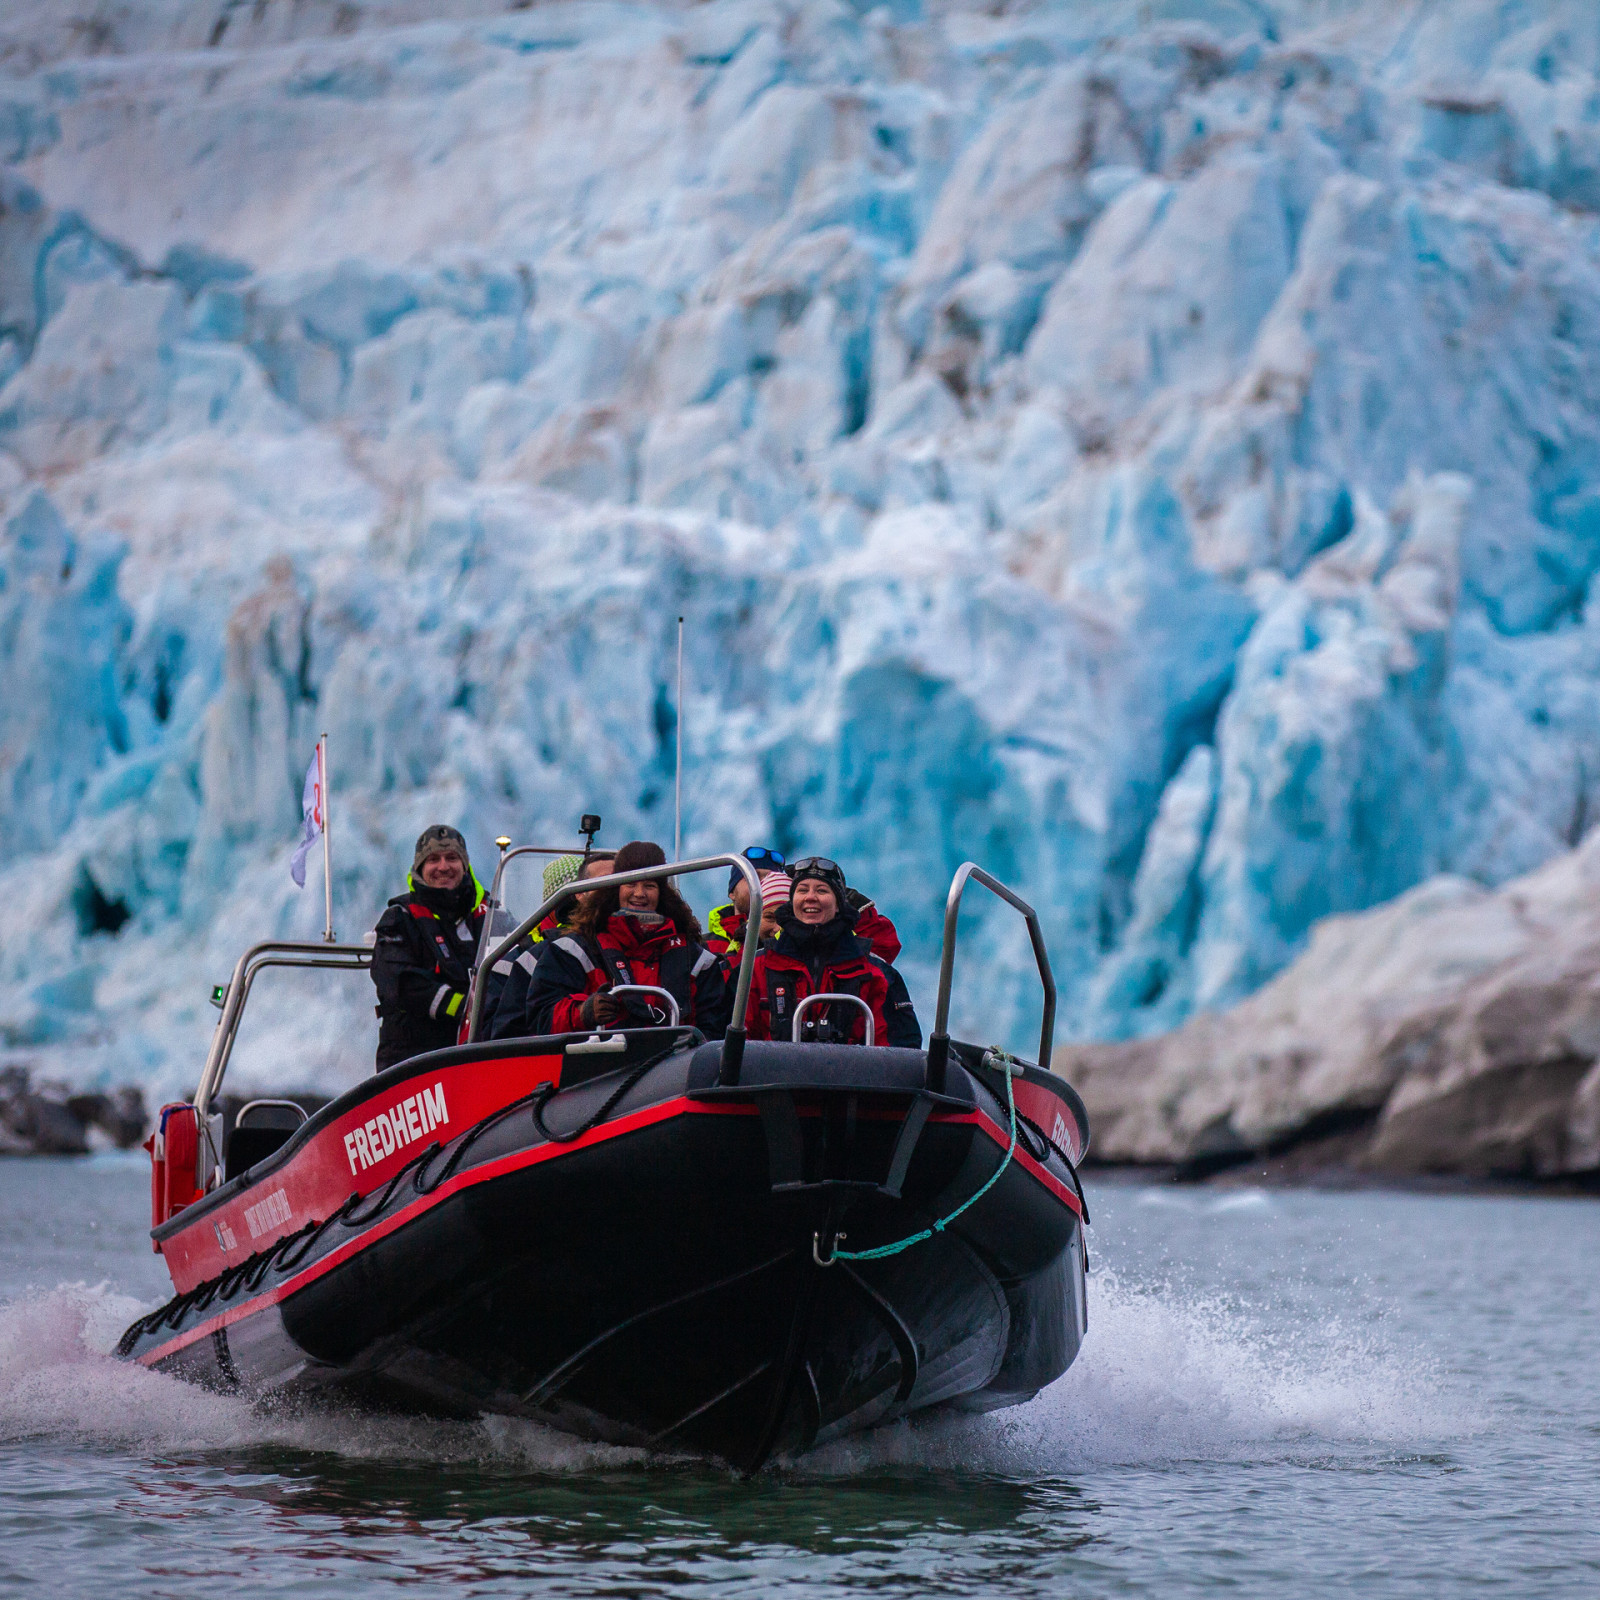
x=677, y=790
x=327, y=842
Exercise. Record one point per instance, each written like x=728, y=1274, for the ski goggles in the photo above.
x=816, y=867
x=759, y=857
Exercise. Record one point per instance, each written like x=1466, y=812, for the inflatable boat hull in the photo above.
x=635, y=1254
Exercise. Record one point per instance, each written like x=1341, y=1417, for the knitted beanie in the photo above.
x=435, y=841
x=562, y=871
x=775, y=889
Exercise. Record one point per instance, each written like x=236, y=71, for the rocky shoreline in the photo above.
x=50, y=1119
x=1452, y=1034
x=47, y=1118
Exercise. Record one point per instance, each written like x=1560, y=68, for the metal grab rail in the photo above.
x=283, y=1105
x=650, y=988
x=825, y=999
x=508, y=854
x=733, y=1039
x=272, y=953
x=939, y=1039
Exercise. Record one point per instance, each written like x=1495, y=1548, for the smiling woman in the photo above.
x=816, y=952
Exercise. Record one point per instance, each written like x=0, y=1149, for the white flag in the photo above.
x=316, y=820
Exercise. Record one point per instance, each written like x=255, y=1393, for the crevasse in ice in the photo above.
x=1150, y=450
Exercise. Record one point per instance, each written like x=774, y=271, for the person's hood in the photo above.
x=726, y=923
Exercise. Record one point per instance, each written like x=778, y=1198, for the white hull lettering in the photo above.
x=399, y=1125
x=267, y=1214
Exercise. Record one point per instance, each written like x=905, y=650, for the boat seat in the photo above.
x=262, y=1127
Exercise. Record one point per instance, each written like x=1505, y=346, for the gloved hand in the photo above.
x=602, y=1009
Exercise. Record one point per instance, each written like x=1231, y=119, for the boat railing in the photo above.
x=509, y=853
x=828, y=999
x=733, y=1039
x=939, y=1039
x=652, y=988
x=272, y=953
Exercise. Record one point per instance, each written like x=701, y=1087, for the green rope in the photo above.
x=1008, y=1067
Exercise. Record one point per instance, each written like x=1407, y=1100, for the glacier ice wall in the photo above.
x=1149, y=449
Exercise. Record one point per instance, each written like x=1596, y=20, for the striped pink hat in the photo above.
x=775, y=889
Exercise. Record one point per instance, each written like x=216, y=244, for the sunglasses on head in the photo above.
x=815, y=864
x=759, y=856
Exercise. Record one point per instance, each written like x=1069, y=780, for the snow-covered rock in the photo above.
x=1157, y=457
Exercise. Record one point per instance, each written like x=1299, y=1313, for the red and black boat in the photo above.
x=638, y=1236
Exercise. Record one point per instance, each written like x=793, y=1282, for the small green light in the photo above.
x=219, y=995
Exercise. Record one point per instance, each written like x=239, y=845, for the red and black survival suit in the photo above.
x=422, y=965
x=830, y=958
x=547, y=994
x=725, y=930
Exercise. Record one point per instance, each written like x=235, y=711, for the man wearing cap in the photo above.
x=427, y=941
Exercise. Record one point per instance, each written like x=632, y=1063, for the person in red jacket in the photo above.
x=873, y=926
x=727, y=922
x=638, y=933
x=818, y=951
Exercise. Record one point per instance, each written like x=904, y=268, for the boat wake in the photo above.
x=60, y=1380
x=1165, y=1378
x=1160, y=1379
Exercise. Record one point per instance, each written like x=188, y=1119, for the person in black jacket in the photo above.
x=427, y=942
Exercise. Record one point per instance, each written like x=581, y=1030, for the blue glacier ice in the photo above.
x=1153, y=450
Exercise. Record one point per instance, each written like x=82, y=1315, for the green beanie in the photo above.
x=562, y=871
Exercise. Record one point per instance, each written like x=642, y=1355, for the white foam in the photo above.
x=59, y=1379
x=1162, y=1378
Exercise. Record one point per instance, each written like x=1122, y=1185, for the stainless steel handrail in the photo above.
x=649, y=988
x=272, y=953
x=287, y=1105
x=509, y=853
x=825, y=999
x=733, y=1039
x=939, y=1039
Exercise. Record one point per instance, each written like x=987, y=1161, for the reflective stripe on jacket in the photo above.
x=546, y=991
x=422, y=968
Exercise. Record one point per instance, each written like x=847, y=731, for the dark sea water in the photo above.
x=1285, y=1393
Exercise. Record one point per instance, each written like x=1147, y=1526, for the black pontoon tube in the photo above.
x=733, y=1039
x=939, y=1039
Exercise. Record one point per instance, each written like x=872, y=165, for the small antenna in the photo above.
x=677, y=792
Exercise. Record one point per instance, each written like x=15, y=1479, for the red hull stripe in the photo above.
x=521, y=1159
